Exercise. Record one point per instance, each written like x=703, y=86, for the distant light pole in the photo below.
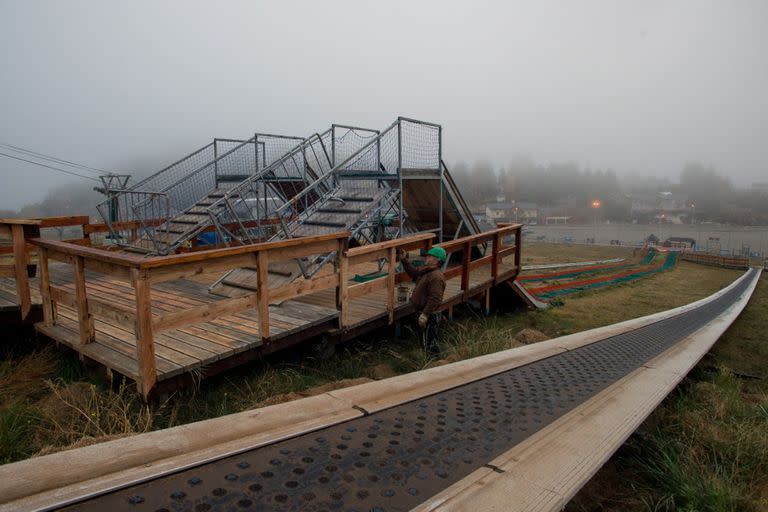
x=596, y=203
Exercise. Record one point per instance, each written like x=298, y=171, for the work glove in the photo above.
x=423, y=320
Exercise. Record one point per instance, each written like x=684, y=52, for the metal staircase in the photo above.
x=364, y=194
x=150, y=216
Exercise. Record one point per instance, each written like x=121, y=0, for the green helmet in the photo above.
x=437, y=252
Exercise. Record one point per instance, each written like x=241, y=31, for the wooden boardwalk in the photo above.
x=154, y=321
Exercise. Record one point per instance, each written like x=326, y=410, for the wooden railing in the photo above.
x=716, y=259
x=142, y=273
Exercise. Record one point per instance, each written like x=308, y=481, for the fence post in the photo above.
x=466, y=258
x=262, y=292
x=20, y=270
x=342, y=295
x=391, y=272
x=84, y=317
x=49, y=318
x=145, y=342
x=495, y=257
x=518, y=247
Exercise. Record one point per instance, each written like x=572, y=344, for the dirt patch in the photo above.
x=381, y=371
x=317, y=390
x=528, y=336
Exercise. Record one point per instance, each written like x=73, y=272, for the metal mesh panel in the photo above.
x=379, y=156
x=347, y=140
x=229, y=168
x=274, y=147
x=421, y=145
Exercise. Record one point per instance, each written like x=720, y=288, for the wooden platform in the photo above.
x=153, y=320
x=187, y=349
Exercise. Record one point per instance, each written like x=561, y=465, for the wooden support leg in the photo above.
x=487, y=302
x=450, y=313
x=20, y=264
x=84, y=317
x=145, y=343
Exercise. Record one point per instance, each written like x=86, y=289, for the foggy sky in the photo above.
x=637, y=86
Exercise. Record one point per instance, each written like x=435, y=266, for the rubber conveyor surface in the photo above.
x=397, y=458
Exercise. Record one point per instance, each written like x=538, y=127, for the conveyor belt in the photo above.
x=397, y=458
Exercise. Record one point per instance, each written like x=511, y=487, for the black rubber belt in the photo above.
x=398, y=458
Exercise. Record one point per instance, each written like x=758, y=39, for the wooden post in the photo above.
x=467, y=250
x=495, y=256
x=518, y=246
x=20, y=264
x=392, y=264
x=145, y=342
x=262, y=291
x=84, y=318
x=342, y=296
x=487, y=302
x=49, y=317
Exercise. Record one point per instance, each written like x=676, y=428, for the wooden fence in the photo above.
x=716, y=259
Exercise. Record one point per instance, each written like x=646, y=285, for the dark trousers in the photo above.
x=430, y=335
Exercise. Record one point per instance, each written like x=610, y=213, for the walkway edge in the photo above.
x=546, y=470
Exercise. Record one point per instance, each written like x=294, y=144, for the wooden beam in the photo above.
x=92, y=253
x=145, y=342
x=400, y=243
x=507, y=250
x=112, y=313
x=364, y=257
x=453, y=272
x=204, y=313
x=101, y=267
x=303, y=287
x=70, y=220
x=481, y=262
x=495, y=255
x=307, y=249
x=84, y=317
x=214, y=254
x=466, y=255
x=20, y=264
x=262, y=291
x=358, y=290
x=196, y=268
x=391, y=274
x=49, y=318
x=7, y=270
x=342, y=294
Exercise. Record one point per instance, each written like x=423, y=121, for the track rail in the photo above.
x=407, y=446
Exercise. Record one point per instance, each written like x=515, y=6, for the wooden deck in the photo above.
x=154, y=321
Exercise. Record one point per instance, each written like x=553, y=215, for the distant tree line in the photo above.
x=566, y=188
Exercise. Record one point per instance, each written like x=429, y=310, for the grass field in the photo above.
x=704, y=449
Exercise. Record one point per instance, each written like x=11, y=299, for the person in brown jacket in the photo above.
x=428, y=295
